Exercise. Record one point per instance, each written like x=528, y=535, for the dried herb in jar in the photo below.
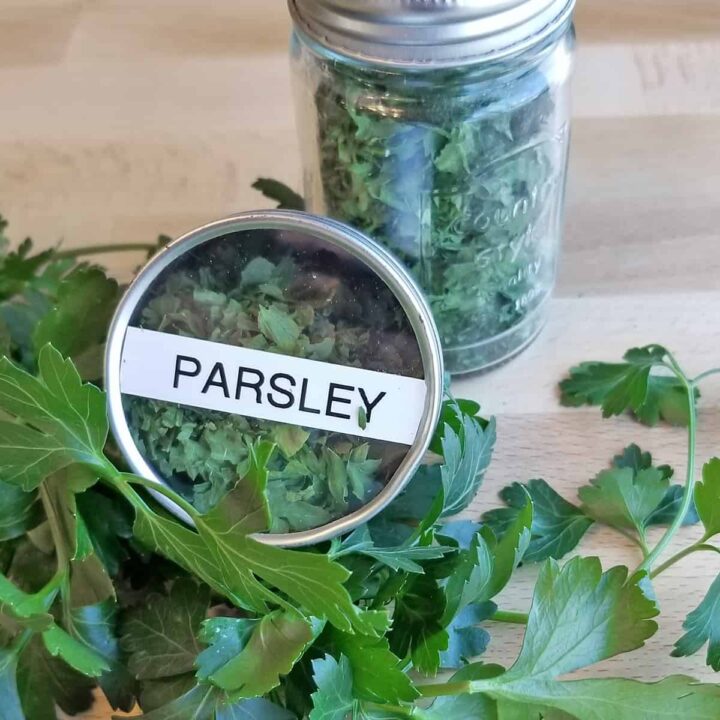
x=458, y=172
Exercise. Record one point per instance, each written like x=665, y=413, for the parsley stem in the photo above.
x=700, y=546
x=396, y=710
x=513, y=618
x=634, y=539
x=102, y=249
x=123, y=482
x=689, y=492
x=21, y=641
x=444, y=689
x=163, y=490
x=706, y=374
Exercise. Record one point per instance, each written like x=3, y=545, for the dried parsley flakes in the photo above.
x=460, y=172
x=270, y=292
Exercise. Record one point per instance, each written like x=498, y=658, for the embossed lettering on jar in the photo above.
x=442, y=131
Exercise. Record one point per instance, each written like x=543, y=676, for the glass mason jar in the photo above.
x=443, y=132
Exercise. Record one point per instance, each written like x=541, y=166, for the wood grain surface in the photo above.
x=122, y=119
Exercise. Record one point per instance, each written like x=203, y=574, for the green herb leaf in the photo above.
x=665, y=512
x=631, y=385
x=89, y=582
x=619, y=699
x=707, y=497
x=466, y=639
x=77, y=324
x=160, y=636
x=272, y=648
x=333, y=699
x=203, y=702
x=155, y=694
x=109, y=526
x=467, y=454
x=286, y=198
x=418, y=631
x=69, y=419
x=200, y=703
x=9, y=696
x=45, y=682
x=509, y=551
x=29, y=610
x=557, y=527
x=604, y=614
x=377, y=673
x=403, y=557
x=628, y=495
x=75, y=653
x=703, y=626
x=471, y=579
x=278, y=327
x=96, y=626
x=313, y=581
x=226, y=637
x=19, y=512
x=19, y=268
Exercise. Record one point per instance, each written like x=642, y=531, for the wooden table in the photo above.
x=125, y=118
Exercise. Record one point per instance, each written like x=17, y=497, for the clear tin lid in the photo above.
x=284, y=329
x=429, y=33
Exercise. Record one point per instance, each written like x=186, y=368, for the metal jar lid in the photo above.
x=276, y=327
x=422, y=33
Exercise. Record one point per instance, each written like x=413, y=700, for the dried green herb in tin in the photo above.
x=267, y=296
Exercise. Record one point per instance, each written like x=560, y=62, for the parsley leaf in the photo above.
x=707, y=497
x=333, y=699
x=557, y=525
x=633, y=457
x=703, y=626
x=634, y=494
x=19, y=512
x=467, y=451
x=9, y=696
x=632, y=385
x=45, y=682
x=622, y=498
x=97, y=627
x=225, y=556
x=66, y=420
x=601, y=615
x=583, y=600
x=402, y=557
x=466, y=640
x=271, y=649
x=377, y=673
x=77, y=324
x=286, y=198
x=203, y=702
x=418, y=631
x=160, y=636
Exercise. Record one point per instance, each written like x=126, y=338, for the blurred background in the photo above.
x=122, y=119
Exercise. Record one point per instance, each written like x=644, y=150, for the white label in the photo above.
x=270, y=386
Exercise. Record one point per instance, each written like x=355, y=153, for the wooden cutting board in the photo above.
x=126, y=118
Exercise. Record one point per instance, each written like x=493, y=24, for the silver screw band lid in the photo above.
x=426, y=33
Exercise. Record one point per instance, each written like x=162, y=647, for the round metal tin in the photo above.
x=335, y=235
x=428, y=33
